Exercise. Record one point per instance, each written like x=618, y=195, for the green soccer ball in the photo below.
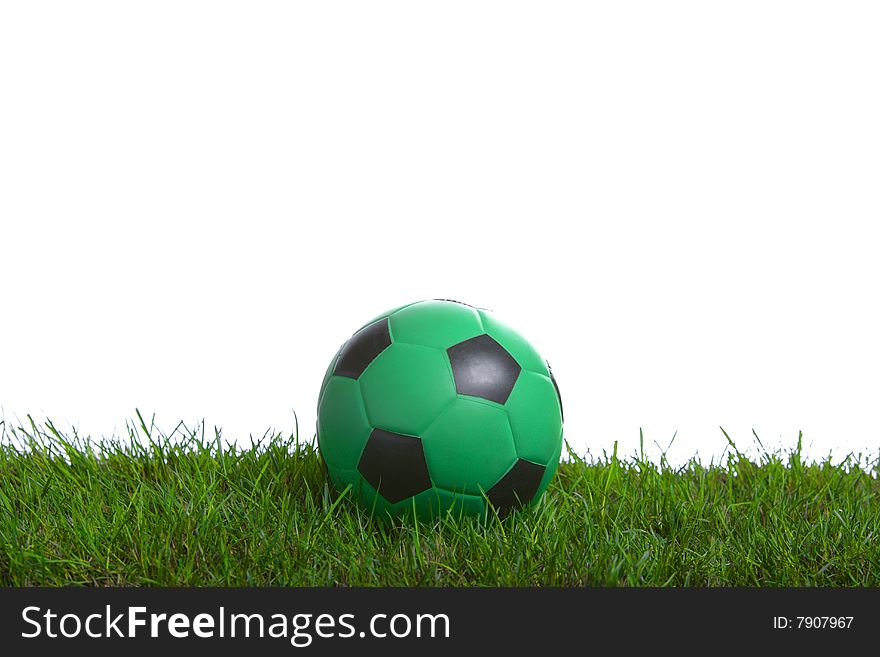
x=437, y=406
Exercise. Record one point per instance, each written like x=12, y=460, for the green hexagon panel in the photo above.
x=436, y=502
x=327, y=376
x=438, y=324
x=406, y=387
x=343, y=428
x=469, y=447
x=370, y=500
x=388, y=313
x=428, y=505
x=533, y=411
x=340, y=478
x=520, y=348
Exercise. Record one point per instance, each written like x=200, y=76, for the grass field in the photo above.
x=181, y=510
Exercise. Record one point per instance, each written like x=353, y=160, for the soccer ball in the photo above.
x=437, y=406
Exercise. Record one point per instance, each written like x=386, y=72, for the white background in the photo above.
x=677, y=202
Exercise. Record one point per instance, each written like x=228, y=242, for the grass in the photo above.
x=185, y=510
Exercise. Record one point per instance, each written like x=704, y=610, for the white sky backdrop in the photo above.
x=677, y=202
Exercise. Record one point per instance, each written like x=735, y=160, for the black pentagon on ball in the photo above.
x=483, y=368
x=516, y=488
x=395, y=465
x=362, y=349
